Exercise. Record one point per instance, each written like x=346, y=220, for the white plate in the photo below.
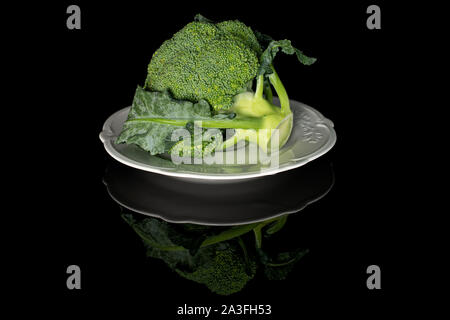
x=312, y=136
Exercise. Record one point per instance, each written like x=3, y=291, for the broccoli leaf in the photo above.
x=271, y=51
x=155, y=137
x=263, y=39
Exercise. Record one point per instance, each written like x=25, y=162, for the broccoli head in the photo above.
x=206, y=61
x=227, y=272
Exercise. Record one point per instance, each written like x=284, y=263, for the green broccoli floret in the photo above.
x=206, y=61
x=226, y=273
x=241, y=32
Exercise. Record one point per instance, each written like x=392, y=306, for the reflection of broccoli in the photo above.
x=226, y=273
x=217, y=257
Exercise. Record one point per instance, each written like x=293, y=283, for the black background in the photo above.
x=85, y=75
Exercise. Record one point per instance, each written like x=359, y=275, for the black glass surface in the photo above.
x=70, y=81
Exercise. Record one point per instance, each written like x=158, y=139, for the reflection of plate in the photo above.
x=247, y=201
x=312, y=136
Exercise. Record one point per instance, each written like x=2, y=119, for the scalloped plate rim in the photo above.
x=106, y=136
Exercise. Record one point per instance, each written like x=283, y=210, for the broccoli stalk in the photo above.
x=257, y=106
x=255, y=118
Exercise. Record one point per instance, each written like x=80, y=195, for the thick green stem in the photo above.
x=229, y=234
x=268, y=92
x=236, y=123
x=258, y=236
x=281, y=92
x=244, y=250
x=259, y=87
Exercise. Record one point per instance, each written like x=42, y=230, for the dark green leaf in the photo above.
x=271, y=51
x=154, y=136
x=263, y=39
